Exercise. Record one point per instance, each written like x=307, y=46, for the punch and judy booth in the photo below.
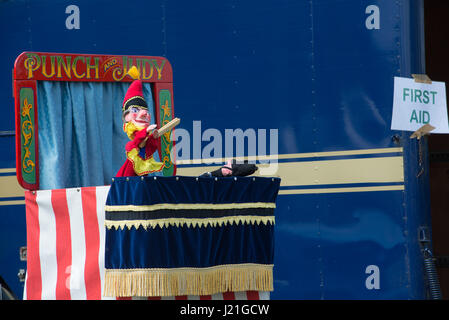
x=91, y=235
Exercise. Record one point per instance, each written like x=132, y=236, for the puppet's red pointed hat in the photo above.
x=134, y=95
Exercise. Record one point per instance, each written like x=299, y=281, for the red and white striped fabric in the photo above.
x=65, y=248
x=65, y=243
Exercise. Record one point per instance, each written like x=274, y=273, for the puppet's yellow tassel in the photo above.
x=134, y=73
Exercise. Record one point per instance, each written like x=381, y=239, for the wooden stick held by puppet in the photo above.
x=145, y=137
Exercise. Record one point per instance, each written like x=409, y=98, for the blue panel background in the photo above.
x=310, y=68
x=325, y=242
x=358, y=230
x=297, y=270
x=354, y=73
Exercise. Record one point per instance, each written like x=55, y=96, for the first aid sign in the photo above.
x=416, y=104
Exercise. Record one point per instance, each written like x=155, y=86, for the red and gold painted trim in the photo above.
x=31, y=67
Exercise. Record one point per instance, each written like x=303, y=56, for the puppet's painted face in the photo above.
x=140, y=117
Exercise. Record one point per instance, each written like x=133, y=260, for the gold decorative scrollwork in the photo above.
x=167, y=111
x=118, y=73
x=27, y=133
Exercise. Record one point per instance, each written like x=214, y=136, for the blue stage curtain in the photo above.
x=81, y=138
x=187, y=235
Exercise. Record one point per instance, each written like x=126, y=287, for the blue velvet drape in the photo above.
x=183, y=246
x=81, y=138
x=195, y=247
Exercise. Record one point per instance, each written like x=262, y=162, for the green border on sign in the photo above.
x=165, y=113
x=27, y=135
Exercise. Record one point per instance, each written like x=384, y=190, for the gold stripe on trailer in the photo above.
x=324, y=172
x=367, y=170
x=376, y=169
x=341, y=190
x=11, y=202
x=9, y=187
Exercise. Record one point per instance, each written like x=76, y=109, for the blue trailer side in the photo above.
x=320, y=72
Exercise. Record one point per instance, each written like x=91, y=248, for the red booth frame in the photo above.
x=31, y=67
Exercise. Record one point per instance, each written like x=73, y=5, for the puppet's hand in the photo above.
x=226, y=170
x=151, y=127
x=153, y=130
x=155, y=134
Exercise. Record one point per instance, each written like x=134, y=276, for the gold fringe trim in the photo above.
x=188, y=281
x=180, y=222
x=187, y=206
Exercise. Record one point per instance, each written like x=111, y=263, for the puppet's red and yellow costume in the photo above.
x=143, y=144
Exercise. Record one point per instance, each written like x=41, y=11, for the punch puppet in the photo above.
x=145, y=137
